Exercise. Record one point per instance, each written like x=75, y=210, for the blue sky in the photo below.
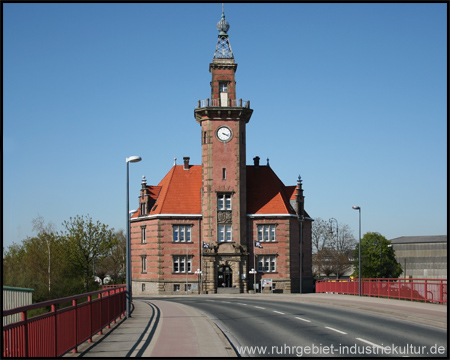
x=352, y=97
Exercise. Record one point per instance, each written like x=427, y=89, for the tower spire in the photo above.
x=223, y=47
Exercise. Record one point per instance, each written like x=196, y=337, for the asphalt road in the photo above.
x=280, y=328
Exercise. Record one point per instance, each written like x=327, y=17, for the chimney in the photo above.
x=256, y=161
x=186, y=163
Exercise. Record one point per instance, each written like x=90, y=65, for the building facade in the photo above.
x=422, y=257
x=222, y=226
x=15, y=297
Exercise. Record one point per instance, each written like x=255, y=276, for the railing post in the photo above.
x=100, y=296
x=426, y=291
x=441, y=292
x=74, y=304
x=411, y=288
x=55, y=317
x=108, y=300
x=90, y=317
x=25, y=319
x=207, y=102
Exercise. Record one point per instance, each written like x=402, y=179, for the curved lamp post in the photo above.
x=128, y=262
x=359, y=259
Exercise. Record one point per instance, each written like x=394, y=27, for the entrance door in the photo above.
x=224, y=276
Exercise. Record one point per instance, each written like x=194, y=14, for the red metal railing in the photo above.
x=427, y=290
x=61, y=330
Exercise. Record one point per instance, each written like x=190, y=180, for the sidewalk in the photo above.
x=159, y=329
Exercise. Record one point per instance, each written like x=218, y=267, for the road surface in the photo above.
x=261, y=327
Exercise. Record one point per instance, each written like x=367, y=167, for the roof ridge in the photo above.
x=164, y=189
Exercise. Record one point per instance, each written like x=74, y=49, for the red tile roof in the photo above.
x=180, y=192
x=266, y=194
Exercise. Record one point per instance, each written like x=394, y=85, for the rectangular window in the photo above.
x=143, y=209
x=187, y=287
x=267, y=263
x=180, y=264
x=224, y=173
x=223, y=87
x=144, y=263
x=266, y=233
x=224, y=202
x=182, y=233
x=143, y=235
x=224, y=233
x=176, y=287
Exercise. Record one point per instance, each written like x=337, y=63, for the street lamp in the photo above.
x=337, y=242
x=199, y=273
x=253, y=272
x=359, y=256
x=128, y=262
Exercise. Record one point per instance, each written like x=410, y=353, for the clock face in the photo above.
x=224, y=133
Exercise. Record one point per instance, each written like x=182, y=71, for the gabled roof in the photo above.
x=179, y=192
x=266, y=194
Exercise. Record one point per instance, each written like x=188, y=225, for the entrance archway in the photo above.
x=224, y=276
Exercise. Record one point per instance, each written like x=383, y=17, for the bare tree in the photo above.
x=332, y=249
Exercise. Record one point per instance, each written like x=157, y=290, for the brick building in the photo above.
x=203, y=228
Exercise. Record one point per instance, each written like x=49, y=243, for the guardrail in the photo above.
x=426, y=290
x=229, y=103
x=61, y=330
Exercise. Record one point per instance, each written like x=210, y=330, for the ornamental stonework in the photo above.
x=224, y=217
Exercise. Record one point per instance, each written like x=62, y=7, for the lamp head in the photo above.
x=134, y=159
x=356, y=207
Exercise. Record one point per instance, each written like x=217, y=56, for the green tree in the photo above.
x=114, y=264
x=377, y=258
x=87, y=242
x=41, y=263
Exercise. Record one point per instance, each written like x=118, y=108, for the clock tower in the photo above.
x=223, y=120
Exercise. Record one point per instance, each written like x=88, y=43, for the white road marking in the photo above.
x=302, y=319
x=227, y=302
x=370, y=343
x=241, y=304
x=338, y=331
x=259, y=307
x=278, y=312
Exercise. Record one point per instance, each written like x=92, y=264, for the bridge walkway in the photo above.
x=167, y=329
